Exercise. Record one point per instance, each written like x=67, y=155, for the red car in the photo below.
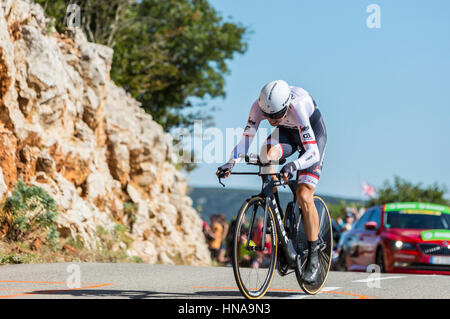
x=399, y=237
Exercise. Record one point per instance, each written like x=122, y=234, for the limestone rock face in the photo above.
x=65, y=126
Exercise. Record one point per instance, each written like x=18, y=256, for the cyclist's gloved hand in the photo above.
x=289, y=169
x=225, y=169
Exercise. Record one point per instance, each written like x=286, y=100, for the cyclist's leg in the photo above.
x=305, y=197
x=307, y=182
x=279, y=145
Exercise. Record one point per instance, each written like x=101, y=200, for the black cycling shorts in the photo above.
x=289, y=142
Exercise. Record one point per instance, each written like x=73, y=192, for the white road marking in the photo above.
x=303, y=295
x=379, y=278
x=297, y=296
x=330, y=288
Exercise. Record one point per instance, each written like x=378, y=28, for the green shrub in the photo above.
x=131, y=210
x=10, y=259
x=136, y=259
x=29, y=213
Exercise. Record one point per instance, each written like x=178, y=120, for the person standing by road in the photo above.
x=207, y=231
x=216, y=234
x=223, y=249
x=349, y=219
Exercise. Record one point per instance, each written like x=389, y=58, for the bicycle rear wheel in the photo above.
x=254, y=267
x=326, y=238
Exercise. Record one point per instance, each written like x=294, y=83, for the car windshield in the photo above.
x=417, y=219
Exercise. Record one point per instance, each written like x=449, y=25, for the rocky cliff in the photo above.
x=65, y=126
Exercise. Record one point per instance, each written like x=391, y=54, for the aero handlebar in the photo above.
x=256, y=160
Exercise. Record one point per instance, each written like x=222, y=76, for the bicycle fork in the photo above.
x=264, y=230
x=286, y=243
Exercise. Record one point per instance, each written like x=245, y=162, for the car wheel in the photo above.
x=380, y=260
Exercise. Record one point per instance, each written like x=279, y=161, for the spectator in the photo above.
x=222, y=252
x=264, y=261
x=216, y=234
x=352, y=211
x=336, y=225
x=258, y=231
x=261, y=259
x=229, y=238
x=207, y=231
x=340, y=222
x=349, y=219
x=361, y=211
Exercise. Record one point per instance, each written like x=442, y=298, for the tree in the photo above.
x=404, y=191
x=338, y=210
x=166, y=52
x=100, y=20
x=178, y=51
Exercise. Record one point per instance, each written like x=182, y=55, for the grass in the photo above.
x=24, y=253
x=28, y=233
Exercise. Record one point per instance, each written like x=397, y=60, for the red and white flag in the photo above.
x=368, y=189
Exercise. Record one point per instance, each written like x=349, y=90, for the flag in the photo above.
x=368, y=189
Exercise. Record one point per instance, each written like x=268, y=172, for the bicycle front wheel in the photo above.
x=253, y=263
x=326, y=239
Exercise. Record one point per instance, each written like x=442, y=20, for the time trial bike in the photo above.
x=266, y=238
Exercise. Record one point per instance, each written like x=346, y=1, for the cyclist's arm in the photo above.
x=254, y=119
x=312, y=154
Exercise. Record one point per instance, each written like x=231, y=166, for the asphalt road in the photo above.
x=96, y=280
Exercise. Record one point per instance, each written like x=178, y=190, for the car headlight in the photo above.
x=401, y=245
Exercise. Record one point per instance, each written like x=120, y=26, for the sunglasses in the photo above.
x=277, y=115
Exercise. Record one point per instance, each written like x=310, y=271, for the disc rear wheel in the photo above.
x=325, y=253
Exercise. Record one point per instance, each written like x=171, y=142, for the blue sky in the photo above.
x=384, y=93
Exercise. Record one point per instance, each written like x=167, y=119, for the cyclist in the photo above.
x=299, y=126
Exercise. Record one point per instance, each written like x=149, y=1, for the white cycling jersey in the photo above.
x=298, y=116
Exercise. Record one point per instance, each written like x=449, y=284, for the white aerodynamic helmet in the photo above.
x=274, y=99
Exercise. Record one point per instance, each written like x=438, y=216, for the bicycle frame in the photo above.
x=270, y=203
